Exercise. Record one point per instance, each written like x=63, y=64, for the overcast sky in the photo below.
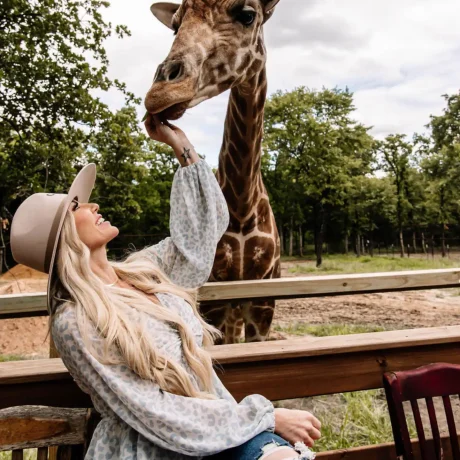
x=397, y=56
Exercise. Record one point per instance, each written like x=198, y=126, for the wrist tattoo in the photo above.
x=186, y=155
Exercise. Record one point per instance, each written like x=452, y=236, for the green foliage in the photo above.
x=118, y=150
x=440, y=162
x=52, y=59
x=314, y=149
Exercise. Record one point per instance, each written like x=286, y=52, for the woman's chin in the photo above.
x=110, y=232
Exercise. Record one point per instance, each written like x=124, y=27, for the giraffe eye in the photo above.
x=246, y=17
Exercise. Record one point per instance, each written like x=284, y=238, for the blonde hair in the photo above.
x=107, y=309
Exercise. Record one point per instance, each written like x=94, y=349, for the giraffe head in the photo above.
x=219, y=44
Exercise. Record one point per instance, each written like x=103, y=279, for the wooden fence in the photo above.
x=279, y=370
x=17, y=305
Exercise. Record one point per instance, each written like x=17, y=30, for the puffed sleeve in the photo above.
x=189, y=426
x=198, y=219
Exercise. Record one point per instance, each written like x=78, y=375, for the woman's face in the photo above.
x=91, y=227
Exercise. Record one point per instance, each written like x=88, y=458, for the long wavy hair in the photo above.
x=106, y=308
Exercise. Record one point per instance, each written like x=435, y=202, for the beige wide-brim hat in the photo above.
x=38, y=222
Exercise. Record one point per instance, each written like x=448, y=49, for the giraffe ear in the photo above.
x=164, y=12
x=269, y=8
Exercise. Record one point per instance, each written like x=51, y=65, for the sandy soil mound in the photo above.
x=22, y=279
x=24, y=336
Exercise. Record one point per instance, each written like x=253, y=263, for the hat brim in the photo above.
x=81, y=189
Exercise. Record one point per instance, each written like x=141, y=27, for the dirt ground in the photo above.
x=393, y=310
x=441, y=307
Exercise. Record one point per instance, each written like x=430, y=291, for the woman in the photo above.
x=130, y=332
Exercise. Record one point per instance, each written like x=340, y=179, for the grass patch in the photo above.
x=326, y=330
x=4, y=358
x=29, y=454
x=349, y=264
x=349, y=419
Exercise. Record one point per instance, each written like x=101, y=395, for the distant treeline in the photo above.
x=332, y=184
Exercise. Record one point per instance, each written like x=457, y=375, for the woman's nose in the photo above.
x=95, y=207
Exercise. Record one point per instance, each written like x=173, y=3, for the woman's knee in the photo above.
x=275, y=452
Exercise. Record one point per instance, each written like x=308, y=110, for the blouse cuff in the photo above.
x=271, y=417
x=200, y=160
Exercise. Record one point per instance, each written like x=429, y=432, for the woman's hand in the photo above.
x=163, y=131
x=173, y=136
x=297, y=425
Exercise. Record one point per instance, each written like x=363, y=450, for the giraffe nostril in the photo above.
x=175, y=71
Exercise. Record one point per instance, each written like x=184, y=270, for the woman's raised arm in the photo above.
x=198, y=219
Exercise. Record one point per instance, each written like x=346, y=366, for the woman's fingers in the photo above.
x=315, y=422
x=314, y=433
x=308, y=440
x=170, y=125
x=150, y=125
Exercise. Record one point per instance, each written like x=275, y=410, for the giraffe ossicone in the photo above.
x=219, y=45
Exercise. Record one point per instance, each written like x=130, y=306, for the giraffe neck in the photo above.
x=239, y=172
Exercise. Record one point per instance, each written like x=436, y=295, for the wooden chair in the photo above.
x=427, y=382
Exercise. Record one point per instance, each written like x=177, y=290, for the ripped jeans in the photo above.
x=252, y=449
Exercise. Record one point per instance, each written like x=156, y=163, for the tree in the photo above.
x=394, y=155
x=118, y=150
x=441, y=165
x=319, y=146
x=52, y=58
x=368, y=200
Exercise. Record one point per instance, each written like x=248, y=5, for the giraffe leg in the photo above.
x=257, y=320
x=233, y=324
x=226, y=317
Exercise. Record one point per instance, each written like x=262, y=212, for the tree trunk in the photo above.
x=291, y=238
x=423, y=243
x=443, y=241
x=281, y=232
x=363, y=245
x=346, y=243
x=371, y=247
x=300, y=241
x=443, y=236
x=401, y=242
x=319, y=235
x=358, y=245
x=414, y=241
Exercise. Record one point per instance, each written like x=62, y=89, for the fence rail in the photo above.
x=17, y=305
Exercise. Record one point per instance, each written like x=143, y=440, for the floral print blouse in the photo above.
x=140, y=421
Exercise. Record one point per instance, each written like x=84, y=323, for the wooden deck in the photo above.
x=279, y=370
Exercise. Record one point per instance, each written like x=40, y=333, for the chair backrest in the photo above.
x=427, y=382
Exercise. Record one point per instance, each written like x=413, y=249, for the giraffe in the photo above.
x=219, y=45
